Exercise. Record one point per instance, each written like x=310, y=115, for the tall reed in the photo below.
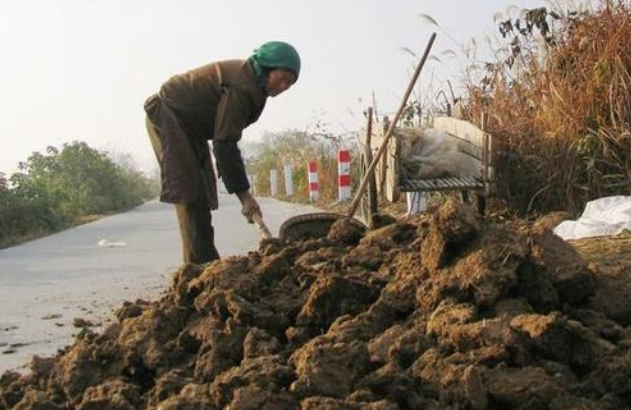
x=560, y=107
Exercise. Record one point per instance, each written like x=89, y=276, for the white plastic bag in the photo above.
x=601, y=217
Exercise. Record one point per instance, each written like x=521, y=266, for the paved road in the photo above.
x=47, y=283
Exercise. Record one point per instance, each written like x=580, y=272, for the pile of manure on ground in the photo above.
x=443, y=311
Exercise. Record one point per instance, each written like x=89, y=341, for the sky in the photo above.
x=81, y=69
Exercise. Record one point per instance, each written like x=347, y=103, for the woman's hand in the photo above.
x=249, y=206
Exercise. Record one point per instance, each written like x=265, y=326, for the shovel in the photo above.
x=317, y=225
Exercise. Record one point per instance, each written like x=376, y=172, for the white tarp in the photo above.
x=602, y=217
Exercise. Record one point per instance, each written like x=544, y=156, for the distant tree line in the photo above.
x=58, y=189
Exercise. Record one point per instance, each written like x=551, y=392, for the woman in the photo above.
x=213, y=102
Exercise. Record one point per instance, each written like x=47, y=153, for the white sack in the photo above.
x=602, y=217
x=431, y=153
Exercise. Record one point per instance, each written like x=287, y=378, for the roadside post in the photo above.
x=273, y=182
x=314, y=189
x=289, y=185
x=344, y=174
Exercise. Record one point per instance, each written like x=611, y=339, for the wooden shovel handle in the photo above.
x=258, y=221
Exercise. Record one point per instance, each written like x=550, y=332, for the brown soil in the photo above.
x=437, y=312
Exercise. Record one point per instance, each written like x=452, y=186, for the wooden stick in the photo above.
x=263, y=229
x=372, y=187
x=384, y=162
x=371, y=169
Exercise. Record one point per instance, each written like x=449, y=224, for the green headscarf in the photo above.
x=275, y=54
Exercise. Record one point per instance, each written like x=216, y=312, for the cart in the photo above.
x=389, y=182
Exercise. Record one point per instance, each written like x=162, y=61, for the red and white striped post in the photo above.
x=314, y=189
x=344, y=174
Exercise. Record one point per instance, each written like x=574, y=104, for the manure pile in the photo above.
x=440, y=312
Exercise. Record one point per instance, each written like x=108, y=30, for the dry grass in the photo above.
x=606, y=254
x=562, y=124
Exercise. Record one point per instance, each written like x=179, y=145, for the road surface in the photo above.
x=87, y=272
